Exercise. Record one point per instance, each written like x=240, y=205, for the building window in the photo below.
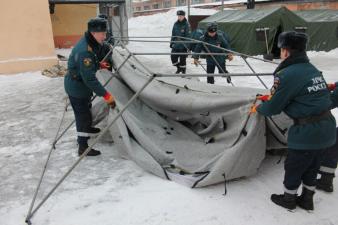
x=138, y=9
x=167, y=4
x=146, y=7
x=197, y=1
x=181, y=2
x=155, y=6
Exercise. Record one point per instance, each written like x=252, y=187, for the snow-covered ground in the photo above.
x=107, y=190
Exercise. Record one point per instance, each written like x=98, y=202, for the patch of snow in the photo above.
x=28, y=59
x=108, y=190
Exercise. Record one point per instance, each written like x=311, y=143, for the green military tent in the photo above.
x=255, y=31
x=322, y=29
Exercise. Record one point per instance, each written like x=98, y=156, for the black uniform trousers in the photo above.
x=302, y=166
x=180, y=61
x=330, y=159
x=211, y=69
x=83, y=119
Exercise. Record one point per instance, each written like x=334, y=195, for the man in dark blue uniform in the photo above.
x=330, y=159
x=181, y=28
x=301, y=92
x=212, y=37
x=80, y=81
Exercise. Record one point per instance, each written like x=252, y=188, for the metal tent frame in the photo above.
x=151, y=76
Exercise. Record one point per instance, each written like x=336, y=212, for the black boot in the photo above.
x=178, y=70
x=285, y=200
x=305, y=201
x=325, y=182
x=210, y=80
x=92, y=152
x=183, y=70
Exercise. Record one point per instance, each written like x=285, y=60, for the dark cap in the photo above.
x=180, y=13
x=97, y=25
x=212, y=27
x=293, y=40
x=102, y=16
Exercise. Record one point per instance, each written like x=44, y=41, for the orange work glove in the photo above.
x=105, y=65
x=230, y=57
x=264, y=98
x=253, y=109
x=109, y=99
x=331, y=87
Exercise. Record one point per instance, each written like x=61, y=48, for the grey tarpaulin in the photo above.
x=99, y=111
x=189, y=131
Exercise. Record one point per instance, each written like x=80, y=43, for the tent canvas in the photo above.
x=322, y=28
x=255, y=31
x=189, y=131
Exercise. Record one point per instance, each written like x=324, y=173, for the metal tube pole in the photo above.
x=266, y=41
x=58, y=137
x=216, y=75
x=266, y=87
x=231, y=51
x=46, y=163
x=155, y=41
x=104, y=85
x=219, y=67
x=136, y=59
x=175, y=53
x=198, y=41
x=188, y=10
x=143, y=37
x=29, y=216
x=199, y=63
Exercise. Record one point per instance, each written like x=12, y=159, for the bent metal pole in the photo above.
x=216, y=75
x=58, y=137
x=198, y=41
x=136, y=95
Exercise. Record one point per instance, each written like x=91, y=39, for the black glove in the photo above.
x=171, y=45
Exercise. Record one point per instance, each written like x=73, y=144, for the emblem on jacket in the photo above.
x=87, y=62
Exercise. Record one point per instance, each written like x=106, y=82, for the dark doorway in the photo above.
x=275, y=50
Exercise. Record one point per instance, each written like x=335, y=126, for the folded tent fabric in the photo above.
x=189, y=131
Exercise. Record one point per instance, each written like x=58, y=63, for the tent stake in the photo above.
x=225, y=185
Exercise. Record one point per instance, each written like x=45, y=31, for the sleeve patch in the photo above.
x=276, y=83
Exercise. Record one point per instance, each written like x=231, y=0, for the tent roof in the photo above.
x=319, y=15
x=244, y=16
